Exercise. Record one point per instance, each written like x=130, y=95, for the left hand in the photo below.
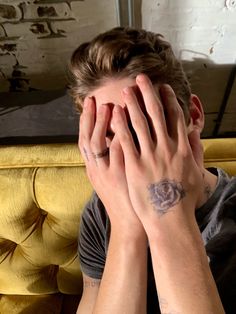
x=163, y=173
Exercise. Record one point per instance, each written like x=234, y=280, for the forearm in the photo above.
x=124, y=282
x=182, y=273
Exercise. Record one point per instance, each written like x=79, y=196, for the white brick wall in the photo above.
x=203, y=35
x=10, y=9
x=42, y=11
x=205, y=27
x=38, y=37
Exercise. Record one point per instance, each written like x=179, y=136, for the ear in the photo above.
x=196, y=114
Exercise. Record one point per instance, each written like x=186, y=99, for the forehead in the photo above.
x=111, y=90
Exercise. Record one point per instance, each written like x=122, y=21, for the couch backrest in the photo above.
x=220, y=153
x=43, y=189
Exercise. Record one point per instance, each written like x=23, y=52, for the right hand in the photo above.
x=106, y=173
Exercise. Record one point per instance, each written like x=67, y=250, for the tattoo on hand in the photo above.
x=165, y=194
x=91, y=284
x=85, y=153
x=164, y=306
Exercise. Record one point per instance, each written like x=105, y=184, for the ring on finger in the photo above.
x=101, y=154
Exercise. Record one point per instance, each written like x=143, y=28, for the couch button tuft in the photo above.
x=44, y=212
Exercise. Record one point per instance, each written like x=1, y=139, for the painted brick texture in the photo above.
x=37, y=38
x=203, y=35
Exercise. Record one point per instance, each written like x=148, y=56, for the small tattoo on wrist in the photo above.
x=165, y=194
x=91, y=284
x=85, y=153
x=164, y=306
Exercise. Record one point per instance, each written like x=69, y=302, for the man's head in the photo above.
x=126, y=52
x=119, y=55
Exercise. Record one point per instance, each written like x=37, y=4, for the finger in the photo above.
x=176, y=124
x=124, y=135
x=154, y=107
x=98, y=139
x=182, y=131
x=116, y=153
x=171, y=110
x=138, y=120
x=87, y=120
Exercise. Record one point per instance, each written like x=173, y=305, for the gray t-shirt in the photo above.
x=217, y=223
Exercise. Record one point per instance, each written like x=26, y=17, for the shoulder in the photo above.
x=93, y=238
x=94, y=213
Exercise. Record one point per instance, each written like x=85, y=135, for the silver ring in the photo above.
x=101, y=154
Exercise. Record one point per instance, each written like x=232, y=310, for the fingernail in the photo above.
x=140, y=78
x=126, y=90
x=85, y=104
x=86, y=101
x=116, y=108
x=166, y=87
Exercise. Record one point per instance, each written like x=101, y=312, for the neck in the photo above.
x=209, y=188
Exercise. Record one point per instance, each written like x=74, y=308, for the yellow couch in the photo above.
x=43, y=189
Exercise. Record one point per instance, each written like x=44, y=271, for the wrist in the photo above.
x=174, y=223
x=179, y=245
x=131, y=233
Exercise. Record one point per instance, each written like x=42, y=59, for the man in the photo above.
x=151, y=236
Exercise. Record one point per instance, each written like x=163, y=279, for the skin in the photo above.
x=159, y=183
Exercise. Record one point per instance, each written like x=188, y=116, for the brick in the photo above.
x=196, y=4
x=54, y=1
x=54, y=32
x=230, y=4
x=45, y=12
x=95, y=10
x=2, y=31
x=7, y=47
x=9, y=13
x=28, y=29
x=39, y=28
x=7, y=61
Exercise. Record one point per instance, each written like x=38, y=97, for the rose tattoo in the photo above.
x=165, y=194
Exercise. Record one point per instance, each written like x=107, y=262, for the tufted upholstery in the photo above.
x=43, y=189
x=42, y=192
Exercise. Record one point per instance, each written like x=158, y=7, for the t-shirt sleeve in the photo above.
x=94, y=230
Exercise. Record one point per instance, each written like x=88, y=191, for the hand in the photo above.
x=162, y=174
x=106, y=171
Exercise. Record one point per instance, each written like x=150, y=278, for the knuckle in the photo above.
x=139, y=122
x=94, y=145
x=83, y=139
x=114, y=148
x=100, y=117
x=157, y=107
x=125, y=138
x=185, y=152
